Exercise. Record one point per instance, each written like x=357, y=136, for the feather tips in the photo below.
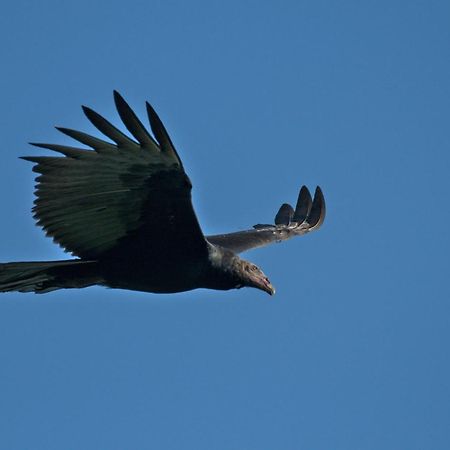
x=308, y=216
x=95, y=143
x=108, y=129
x=88, y=200
x=284, y=215
x=161, y=134
x=133, y=124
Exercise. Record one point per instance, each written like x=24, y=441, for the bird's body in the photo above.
x=125, y=211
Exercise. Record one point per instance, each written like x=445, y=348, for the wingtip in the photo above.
x=121, y=104
x=63, y=130
x=318, y=193
x=153, y=115
x=37, y=144
x=303, y=206
x=86, y=110
x=150, y=110
x=118, y=98
x=318, y=210
x=284, y=215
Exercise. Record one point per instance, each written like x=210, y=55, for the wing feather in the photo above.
x=72, y=152
x=304, y=204
x=133, y=124
x=308, y=216
x=108, y=129
x=317, y=214
x=161, y=134
x=284, y=215
x=95, y=143
x=115, y=198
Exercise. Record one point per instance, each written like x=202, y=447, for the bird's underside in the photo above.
x=123, y=208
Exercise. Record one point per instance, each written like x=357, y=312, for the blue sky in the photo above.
x=259, y=98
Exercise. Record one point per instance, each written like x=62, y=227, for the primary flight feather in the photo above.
x=124, y=209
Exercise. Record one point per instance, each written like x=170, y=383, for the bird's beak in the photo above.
x=264, y=284
x=269, y=288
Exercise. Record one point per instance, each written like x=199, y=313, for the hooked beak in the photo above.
x=264, y=284
x=269, y=288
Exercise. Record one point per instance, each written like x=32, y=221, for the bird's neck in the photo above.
x=219, y=273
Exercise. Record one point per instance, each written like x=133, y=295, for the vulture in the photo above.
x=123, y=209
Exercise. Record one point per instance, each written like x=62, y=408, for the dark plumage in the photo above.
x=124, y=209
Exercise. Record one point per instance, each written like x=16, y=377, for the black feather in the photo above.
x=125, y=210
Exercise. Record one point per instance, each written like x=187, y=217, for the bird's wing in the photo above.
x=129, y=195
x=307, y=216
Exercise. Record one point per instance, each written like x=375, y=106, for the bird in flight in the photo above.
x=123, y=209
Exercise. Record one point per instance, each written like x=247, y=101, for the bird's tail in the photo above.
x=45, y=276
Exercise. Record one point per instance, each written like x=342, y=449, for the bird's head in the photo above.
x=250, y=275
x=229, y=271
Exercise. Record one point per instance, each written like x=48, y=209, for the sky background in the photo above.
x=259, y=97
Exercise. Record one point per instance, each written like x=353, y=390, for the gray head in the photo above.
x=252, y=276
x=232, y=272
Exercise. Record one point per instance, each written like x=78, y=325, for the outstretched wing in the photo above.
x=131, y=196
x=308, y=216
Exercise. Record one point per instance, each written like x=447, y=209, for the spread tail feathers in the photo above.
x=45, y=276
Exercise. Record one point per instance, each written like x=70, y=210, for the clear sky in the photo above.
x=259, y=97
